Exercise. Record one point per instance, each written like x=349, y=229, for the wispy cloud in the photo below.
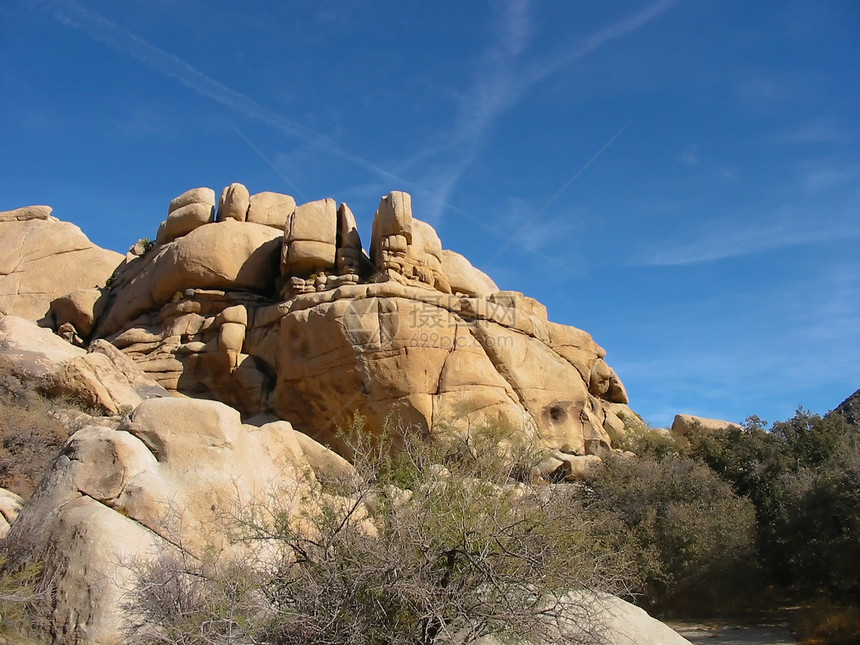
x=816, y=131
x=731, y=241
x=121, y=40
x=500, y=79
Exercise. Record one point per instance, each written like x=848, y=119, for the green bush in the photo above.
x=693, y=535
x=804, y=480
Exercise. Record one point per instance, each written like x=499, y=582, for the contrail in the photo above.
x=556, y=196
x=124, y=41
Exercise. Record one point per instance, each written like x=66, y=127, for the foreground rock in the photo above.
x=171, y=479
x=42, y=258
x=602, y=618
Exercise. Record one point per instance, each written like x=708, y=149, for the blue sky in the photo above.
x=688, y=170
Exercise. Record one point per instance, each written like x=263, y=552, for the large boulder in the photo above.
x=271, y=209
x=435, y=361
x=228, y=254
x=170, y=480
x=593, y=617
x=310, y=238
x=42, y=258
x=684, y=424
x=464, y=278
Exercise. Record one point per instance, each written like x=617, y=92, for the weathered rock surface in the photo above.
x=275, y=309
x=328, y=332
x=237, y=255
x=602, y=618
x=168, y=479
x=271, y=209
x=80, y=309
x=464, y=278
x=683, y=424
x=26, y=213
x=10, y=507
x=234, y=203
x=103, y=377
x=42, y=258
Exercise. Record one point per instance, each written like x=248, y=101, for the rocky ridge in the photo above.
x=277, y=313
x=275, y=308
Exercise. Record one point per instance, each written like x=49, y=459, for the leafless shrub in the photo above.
x=432, y=542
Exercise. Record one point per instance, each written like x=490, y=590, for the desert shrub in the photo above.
x=426, y=543
x=645, y=441
x=19, y=597
x=693, y=535
x=822, y=620
x=30, y=435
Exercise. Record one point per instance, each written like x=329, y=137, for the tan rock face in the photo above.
x=229, y=254
x=26, y=213
x=79, y=308
x=103, y=378
x=169, y=476
x=683, y=424
x=330, y=333
x=234, y=203
x=42, y=259
x=271, y=209
x=310, y=239
x=464, y=278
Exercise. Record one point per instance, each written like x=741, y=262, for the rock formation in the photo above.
x=102, y=378
x=683, y=424
x=849, y=410
x=275, y=308
x=42, y=258
x=170, y=479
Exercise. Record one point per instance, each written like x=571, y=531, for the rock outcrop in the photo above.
x=277, y=310
x=102, y=378
x=171, y=479
x=289, y=316
x=42, y=258
x=683, y=424
x=849, y=410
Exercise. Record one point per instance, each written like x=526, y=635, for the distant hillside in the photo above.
x=850, y=409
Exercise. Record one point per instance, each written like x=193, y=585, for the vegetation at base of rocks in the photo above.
x=18, y=601
x=692, y=535
x=30, y=433
x=802, y=478
x=429, y=542
x=823, y=621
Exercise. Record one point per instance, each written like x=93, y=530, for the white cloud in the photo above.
x=501, y=78
x=728, y=239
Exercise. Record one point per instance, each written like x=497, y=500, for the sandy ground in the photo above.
x=723, y=634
